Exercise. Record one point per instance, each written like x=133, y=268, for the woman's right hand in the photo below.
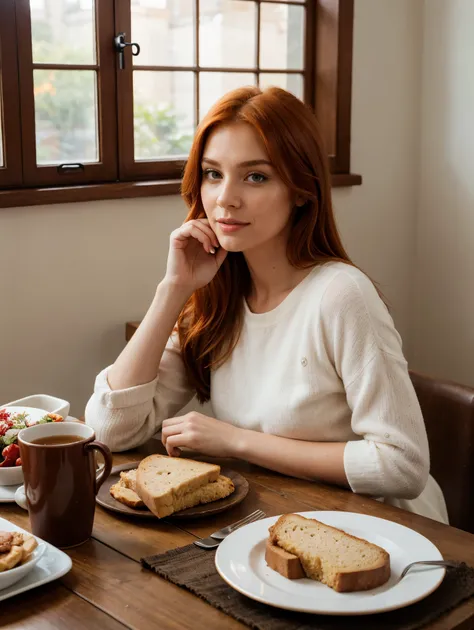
x=191, y=263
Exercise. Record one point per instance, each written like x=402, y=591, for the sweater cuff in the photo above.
x=122, y=398
x=361, y=468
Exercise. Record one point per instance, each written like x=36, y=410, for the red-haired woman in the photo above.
x=262, y=313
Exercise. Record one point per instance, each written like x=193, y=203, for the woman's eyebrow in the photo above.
x=247, y=163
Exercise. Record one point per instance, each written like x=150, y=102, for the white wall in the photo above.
x=72, y=275
x=443, y=318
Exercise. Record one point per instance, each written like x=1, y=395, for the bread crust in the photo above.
x=286, y=564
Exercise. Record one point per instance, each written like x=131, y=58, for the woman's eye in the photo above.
x=211, y=174
x=257, y=178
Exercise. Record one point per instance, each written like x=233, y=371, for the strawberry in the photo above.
x=11, y=452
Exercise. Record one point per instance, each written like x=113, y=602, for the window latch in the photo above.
x=120, y=44
x=70, y=168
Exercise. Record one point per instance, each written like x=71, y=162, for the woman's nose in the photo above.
x=228, y=195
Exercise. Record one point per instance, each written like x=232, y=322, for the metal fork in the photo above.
x=225, y=531
x=217, y=537
x=439, y=563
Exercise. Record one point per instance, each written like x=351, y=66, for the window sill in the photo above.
x=116, y=190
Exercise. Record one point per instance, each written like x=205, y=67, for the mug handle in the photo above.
x=107, y=455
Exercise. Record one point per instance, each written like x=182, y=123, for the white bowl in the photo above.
x=13, y=476
x=45, y=402
x=9, y=577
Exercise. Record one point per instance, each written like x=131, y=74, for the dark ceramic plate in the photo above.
x=106, y=500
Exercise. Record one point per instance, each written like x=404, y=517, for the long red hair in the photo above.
x=210, y=322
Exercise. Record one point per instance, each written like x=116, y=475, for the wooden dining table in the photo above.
x=108, y=588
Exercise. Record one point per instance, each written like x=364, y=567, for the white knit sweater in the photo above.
x=325, y=365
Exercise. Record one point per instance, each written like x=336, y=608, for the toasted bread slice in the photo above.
x=330, y=555
x=11, y=558
x=129, y=479
x=213, y=491
x=29, y=545
x=287, y=564
x=219, y=489
x=162, y=482
x=126, y=496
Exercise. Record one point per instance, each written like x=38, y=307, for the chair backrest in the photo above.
x=448, y=410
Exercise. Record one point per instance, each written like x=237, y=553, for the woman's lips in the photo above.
x=228, y=228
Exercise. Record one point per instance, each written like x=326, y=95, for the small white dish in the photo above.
x=240, y=561
x=11, y=576
x=7, y=494
x=52, y=565
x=20, y=497
x=45, y=402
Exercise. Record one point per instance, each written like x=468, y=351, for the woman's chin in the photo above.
x=231, y=244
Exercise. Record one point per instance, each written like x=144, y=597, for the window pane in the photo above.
x=227, y=35
x=165, y=31
x=291, y=82
x=163, y=104
x=66, y=116
x=213, y=85
x=63, y=31
x=281, y=36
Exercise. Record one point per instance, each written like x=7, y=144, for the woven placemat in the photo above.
x=193, y=569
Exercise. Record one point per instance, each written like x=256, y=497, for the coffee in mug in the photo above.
x=61, y=481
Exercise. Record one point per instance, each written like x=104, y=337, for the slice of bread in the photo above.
x=213, y=491
x=125, y=492
x=125, y=495
x=287, y=564
x=162, y=482
x=330, y=555
x=129, y=479
x=219, y=489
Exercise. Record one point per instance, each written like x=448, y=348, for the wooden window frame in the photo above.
x=327, y=62
x=106, y=168
x=11, y=172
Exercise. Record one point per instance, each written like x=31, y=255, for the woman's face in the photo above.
x=247, y=204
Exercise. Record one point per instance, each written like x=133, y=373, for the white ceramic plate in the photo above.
x=240, y=560
x=52, y=565
x=20, y=497
x=7, y=493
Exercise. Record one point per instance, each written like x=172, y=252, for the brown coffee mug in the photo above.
x=61, y=481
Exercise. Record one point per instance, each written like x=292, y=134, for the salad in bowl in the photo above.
x=12, y=421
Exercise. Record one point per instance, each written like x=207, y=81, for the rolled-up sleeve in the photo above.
x=126, y=418
x=392, y=459
x=391, y=456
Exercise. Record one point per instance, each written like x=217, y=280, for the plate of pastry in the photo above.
x=331, y=563
x=161, y=486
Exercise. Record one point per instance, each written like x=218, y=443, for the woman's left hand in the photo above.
x=199, y=433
